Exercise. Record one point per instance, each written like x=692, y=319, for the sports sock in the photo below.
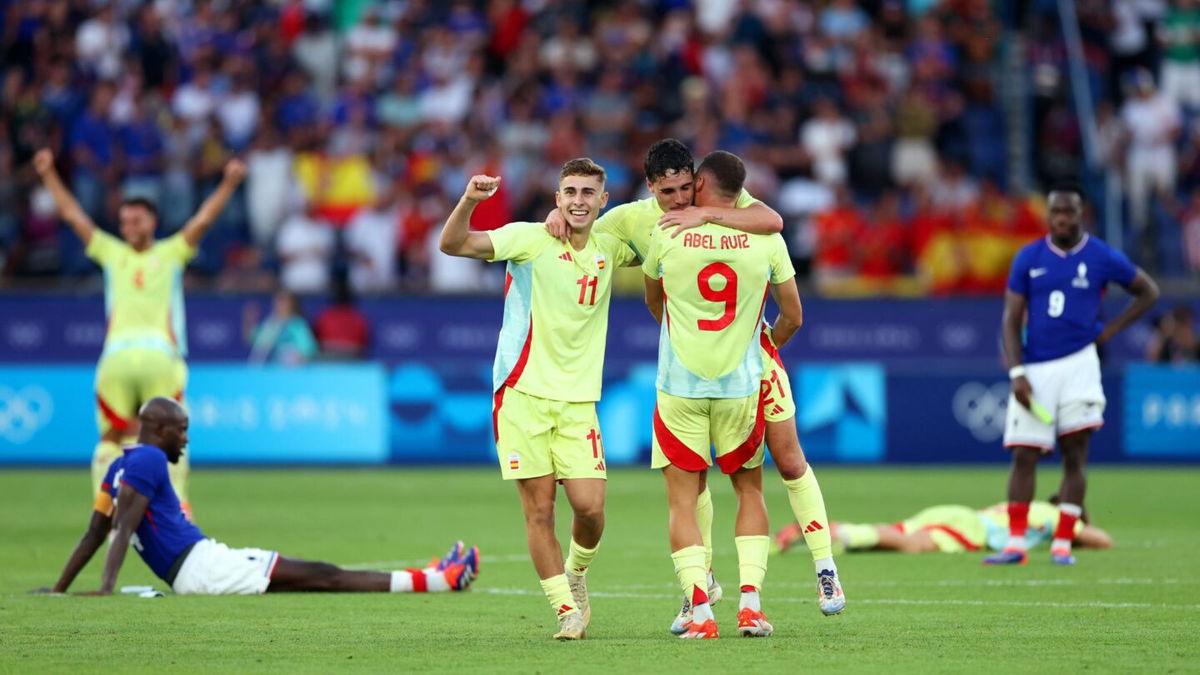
x=690, y=570
x=704, y=520
x=858, y=537
x=1068, y=515
x=1018, y=522
x=750, y=599
x=105, y=454
x=579, y=558
x=558, y=592
x=825, y=564
x=752, y=560
x=419, y=581
x=808, y=505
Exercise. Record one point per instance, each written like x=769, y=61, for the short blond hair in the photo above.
x=583, y=166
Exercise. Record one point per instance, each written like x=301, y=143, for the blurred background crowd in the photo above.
x=905, y=142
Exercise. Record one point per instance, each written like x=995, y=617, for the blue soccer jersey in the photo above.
x=164, y=532
x=1064, y=290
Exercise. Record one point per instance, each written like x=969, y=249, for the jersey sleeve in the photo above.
x=104, y=500
x=613, y=222
x=103, y=248
x=518, y=242
x=1120, y=268
x=781, y=262
x=177, y=249
x=1018, y=276
x=145, y=472
x=650, y=265
x=745, y=199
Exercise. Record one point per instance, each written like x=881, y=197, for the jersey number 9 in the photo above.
x=727, y=295
x=1058, y=302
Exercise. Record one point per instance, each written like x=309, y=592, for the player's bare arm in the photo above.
x=1015, y=305
x=68, y=208
x=195, y=228
x=457, y=238
x=130, y=511
x=557, y=226
x=1145, y=293
x=791, y=312
x=654, y=298
x=758, y=218
x=98, y=528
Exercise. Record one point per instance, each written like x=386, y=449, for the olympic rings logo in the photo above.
x=981, y=409
x=23, y=412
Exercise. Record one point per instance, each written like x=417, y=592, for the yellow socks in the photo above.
x=579, y=558
x=558, y=592
x=105, y=454
x=693, y=579
x=752, y=560
x=808, y=506
x=858, y=537
x=704, y=520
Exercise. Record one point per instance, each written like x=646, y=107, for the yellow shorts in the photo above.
x=954, y=529
x=685, y=428
x=127, y=378
x=539, y=437
x=777, y=401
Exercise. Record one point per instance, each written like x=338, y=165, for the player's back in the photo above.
x=715, y=282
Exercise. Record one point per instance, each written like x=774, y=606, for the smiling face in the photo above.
x=673, y=191
x=580, y=199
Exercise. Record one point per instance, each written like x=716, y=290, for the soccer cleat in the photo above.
x=571, y=626
x=463, y=571
x=684, y=619
x=788, y=537
x=829, y=593
x=753, y=623
x=705, y=631
x=450, y=558
x=1062, y=558
x=1009, y=556
x=579, y=593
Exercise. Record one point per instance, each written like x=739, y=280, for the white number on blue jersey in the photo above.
x=1058, y=302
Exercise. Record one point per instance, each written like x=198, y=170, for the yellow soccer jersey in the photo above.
x=633, y=222
x=1043, y=519
x=143, y=291
x=555, y=311
x=715, y=282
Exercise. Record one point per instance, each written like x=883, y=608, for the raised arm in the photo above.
x=130, y=511
x=68, y=208
x=1010, y=332
x=654, y=298
x=791, y=312
x=195, y=229
x=1145, y=294
x=758, y=218
x=93, y=538
x=457, y=238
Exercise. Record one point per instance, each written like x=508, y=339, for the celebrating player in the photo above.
x=670, y=179
x=148, y=514
x=1055, y=288
x=951, y=528
x=547, y=374
x=146, y=342
x=709, y=376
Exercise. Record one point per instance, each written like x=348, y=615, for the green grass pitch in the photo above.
x=1135, y=608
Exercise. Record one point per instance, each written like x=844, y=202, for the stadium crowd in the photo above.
x=877, y=128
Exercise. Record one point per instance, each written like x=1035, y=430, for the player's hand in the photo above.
x=1022, y=391
x=557, y=226
x=235, y=171
x=682, y=219
x=480, y=187
x=43, y=162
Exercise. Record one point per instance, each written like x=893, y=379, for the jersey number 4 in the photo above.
x=727, y=295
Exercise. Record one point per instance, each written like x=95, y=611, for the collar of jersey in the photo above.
x=1074, y=249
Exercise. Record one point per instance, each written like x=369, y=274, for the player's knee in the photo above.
x=540, y=516
x=591, y=514
x=791, y=466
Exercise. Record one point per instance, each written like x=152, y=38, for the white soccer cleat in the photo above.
x=829, y=593
x=683, y=620
x=579, y=593
x=571, y=626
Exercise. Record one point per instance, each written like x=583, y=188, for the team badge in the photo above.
x=514, y=462
x=1080, y=280
x=600, y=261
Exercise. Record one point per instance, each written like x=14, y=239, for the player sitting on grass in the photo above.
x=707, y=290
x=547, y=374
x=148, y=515
x=950, y=529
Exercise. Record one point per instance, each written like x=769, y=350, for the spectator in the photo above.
x=341, y=328
x=142, y=142
x=826, y=137
x=1152, y=124
x=93, y=152
x=239, y=112
x=268, y=184
x=372, y=241
x=1174, y=338
x=914, y=159
x=1180, y=74
x=283, y=337
x=369, y=47
x=101, y=41
x=305, y=247
x=195, y=101
x=839, y=233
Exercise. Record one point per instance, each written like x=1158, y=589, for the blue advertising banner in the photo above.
x=47, y=415
x=841, y=411
x=1162, y=411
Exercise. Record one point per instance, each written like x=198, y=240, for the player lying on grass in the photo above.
x=950, y=528
x=671, y=180
x=547, y=374
x=707, y=290
x=148, y=515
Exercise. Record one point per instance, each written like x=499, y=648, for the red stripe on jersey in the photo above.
x=732, y=461
x=507, y=282
x=497, y=401
x=523, y=359
x=419, y=583
x=117, y=422
x=678, y=453
x=769, y=347
x=955, y=534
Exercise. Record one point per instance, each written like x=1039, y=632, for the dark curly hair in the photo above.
x=668, y=157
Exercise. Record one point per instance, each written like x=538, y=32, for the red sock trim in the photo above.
x=418, y=580
x=749, y=589
x=1018, y=518
x=1066, y=526
x=698, y=596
